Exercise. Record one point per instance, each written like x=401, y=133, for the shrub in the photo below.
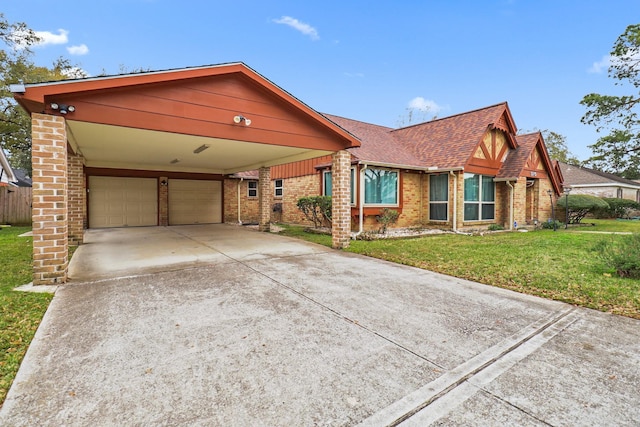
x=618, y=208
x=621, y=254
x=387, y=217
x=316, y=209
x=580, y=205
x=549, y=225
x=495, y=227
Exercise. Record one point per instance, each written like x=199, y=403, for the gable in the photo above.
x=490, y=153
x=534, y=165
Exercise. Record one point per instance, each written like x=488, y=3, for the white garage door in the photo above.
x=195, y=202
x=122, y=202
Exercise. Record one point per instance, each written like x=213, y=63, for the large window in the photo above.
x=438, y=197
x=327, y=186
x=381, y=187
x=479, y=197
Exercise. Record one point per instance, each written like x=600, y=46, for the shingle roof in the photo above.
x=579, y=175
x=517, y=159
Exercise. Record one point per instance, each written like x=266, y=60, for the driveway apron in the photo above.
x=221, y=325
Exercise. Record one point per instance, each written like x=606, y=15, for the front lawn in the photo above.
x=557, y=265
x=20, y=312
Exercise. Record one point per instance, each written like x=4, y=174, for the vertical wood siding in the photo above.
x=15, y=205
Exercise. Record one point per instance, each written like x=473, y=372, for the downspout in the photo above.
x=511, y=191
x=239, y=184
x=361, y=201
x=455, y=201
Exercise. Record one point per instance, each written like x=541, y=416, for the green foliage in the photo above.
x=386, y=218
x=548, y=225
x=316, y=209
x=495, y=227
x=619, y=152
x=618, y=208
x=580, y=205
x=557, y=147
x=621, y=254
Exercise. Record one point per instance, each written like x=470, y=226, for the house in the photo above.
x=7, y=175
x=157, y=148
x=583, y=180
x=466, y=171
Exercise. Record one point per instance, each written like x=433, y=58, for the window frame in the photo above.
x=250, y=189
x=277, y=187
x=439, y=202
x=352, y=183
x=479, y=203
x=397, y=190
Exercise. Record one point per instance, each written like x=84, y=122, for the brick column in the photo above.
x=50, y=220
x=341, y=208
x=163, y=201
x=77, y=194
x=264, y=196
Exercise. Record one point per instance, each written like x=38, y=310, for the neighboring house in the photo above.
x=583, y=180
x=465, y=171
x=7, y=175
x=22, y=178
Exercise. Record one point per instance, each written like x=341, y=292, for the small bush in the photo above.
x=621, y=254
x=549, y=225
x=618, y=208
x=495, y=227
x=579, y=206
x=387, y=217
x=316, y=209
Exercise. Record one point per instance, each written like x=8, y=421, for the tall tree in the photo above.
x=618, y=152
x=557, y=147
x=16, y=66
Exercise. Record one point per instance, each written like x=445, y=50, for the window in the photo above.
x=278, y=184
x=619, y=193
x=479, y=197
x=252, y=188
x=327, y=185
x=438, y=197
x=380, y=187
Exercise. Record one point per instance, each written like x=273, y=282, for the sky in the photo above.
x=368, y=61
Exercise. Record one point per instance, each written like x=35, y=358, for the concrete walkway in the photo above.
x=240, y=328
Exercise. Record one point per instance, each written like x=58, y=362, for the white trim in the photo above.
x=609, y=184
x=383, y=205
x=440, y=202
x=6, y=167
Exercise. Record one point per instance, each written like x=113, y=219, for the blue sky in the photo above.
x=367, y=61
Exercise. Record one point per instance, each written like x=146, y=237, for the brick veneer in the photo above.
x=163, y=201
x=264, y=196
x=50, y=199
x=341, y=194
x=248, y=205
x=77, y=195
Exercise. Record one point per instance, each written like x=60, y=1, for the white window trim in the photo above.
x=382, y=205
x=276, y=187
x=445, y=202
x=249, y=189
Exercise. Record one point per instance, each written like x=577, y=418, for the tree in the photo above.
x=16, y=67
x=619, y=152
x=557, y=147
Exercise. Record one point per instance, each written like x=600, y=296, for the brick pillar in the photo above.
x=163, y=201
x=341, y=208
x=50, y=216
x=77, y=194
x=264, y=196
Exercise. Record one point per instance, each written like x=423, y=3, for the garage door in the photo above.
x=122, y=202
x=195, y=202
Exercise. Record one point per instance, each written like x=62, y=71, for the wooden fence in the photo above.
x=15, y=205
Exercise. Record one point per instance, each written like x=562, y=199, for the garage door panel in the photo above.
x=195, y=202
x=122, y=202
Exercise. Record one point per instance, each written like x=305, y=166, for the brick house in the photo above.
x=157, y=148
x=583, y=180
x=465, y=171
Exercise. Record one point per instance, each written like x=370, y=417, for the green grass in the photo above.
x=557, y=265
x=20, y=312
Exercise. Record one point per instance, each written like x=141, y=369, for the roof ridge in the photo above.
x=453, y=116
x=329, y=116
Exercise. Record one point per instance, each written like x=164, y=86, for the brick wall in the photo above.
x=77, y=198
x=163, y=201
x=341, y=210
x=249, y=212
x=265, y=197
x=293, y=189
x=50, y=199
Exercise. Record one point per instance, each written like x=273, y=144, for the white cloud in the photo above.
x=304, y=28
x=425, y=105
x=47, y=37
x=601, y=66
x=78, y=50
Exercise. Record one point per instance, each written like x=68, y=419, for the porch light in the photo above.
x=200, y=149
x=62, y=108
x=240, y=118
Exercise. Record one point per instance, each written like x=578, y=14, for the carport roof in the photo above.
x=156, y=120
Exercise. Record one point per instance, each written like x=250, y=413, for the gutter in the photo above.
x=361, y=201
x=239, y=218
x=455, y=201
x=511, y=191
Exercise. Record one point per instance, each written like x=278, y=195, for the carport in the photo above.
x=154, y=148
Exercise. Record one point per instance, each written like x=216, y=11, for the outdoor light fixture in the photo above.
x=164, y=183
x=240, y=118
x=567, y=190
x=553, y=211
x=62, y=108
x=200, y=149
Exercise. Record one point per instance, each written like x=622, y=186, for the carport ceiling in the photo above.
x=129, y=148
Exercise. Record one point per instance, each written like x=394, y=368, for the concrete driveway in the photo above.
x=220, y=325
